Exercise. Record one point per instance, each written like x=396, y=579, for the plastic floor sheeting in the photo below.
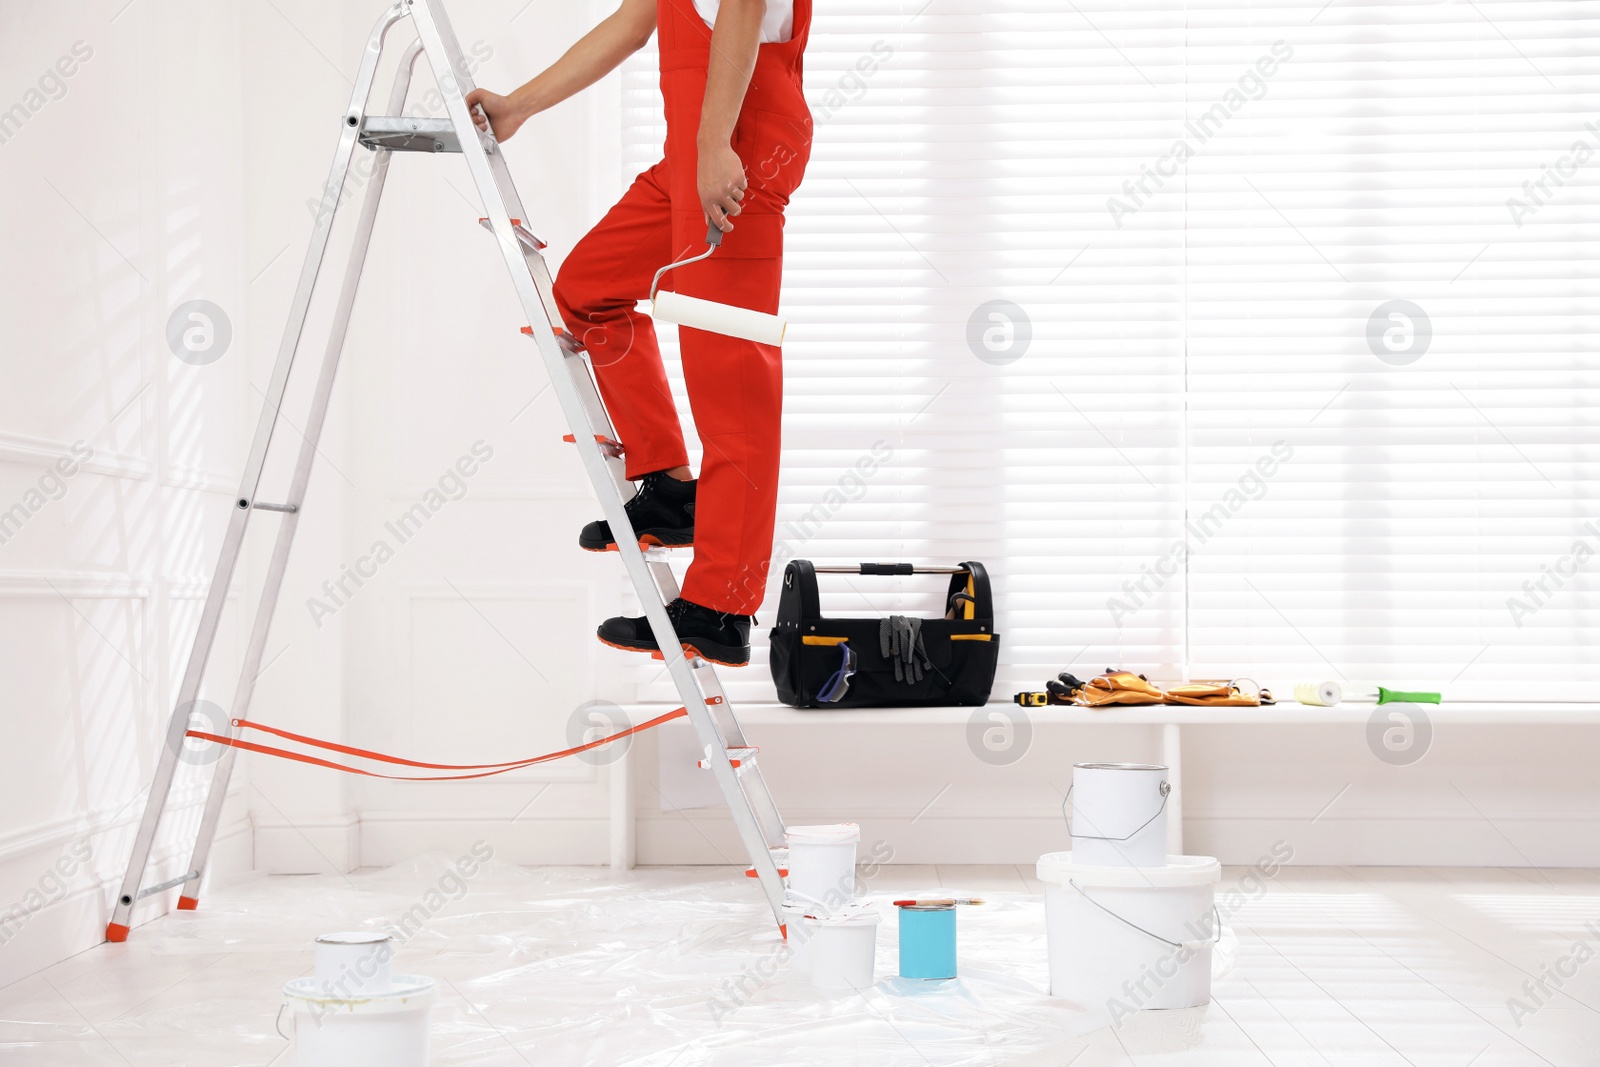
x=666, y=967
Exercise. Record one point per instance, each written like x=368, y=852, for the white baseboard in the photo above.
x=75, y=920
x=309, y=845
x=577, y=842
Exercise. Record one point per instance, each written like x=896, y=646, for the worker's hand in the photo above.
x=505, y=117
x=721, y=183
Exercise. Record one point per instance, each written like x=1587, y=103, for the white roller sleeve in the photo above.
x=719, y=318
x=1319, y=694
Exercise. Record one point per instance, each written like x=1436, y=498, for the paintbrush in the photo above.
x=946, y=902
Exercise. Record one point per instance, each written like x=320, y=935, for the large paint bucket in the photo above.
x=841, y=946
x=388, y=1029
x=1119, y=814
x=1127, y=938
x=927, y=940
x=822, y=865
x=797, y=936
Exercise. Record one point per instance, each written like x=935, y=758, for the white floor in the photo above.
x=674, y=966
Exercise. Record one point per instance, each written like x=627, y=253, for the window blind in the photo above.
x=1236, y=338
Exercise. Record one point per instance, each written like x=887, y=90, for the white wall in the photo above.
x=467, y=638
x=121, y=197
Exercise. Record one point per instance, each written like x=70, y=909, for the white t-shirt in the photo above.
x=777, y=26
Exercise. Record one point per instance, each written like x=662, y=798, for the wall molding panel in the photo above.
x=107, y=585
x=43, y=452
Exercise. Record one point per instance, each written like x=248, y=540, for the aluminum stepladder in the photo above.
x=727, y=754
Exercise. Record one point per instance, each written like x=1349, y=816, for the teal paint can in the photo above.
x=927, y=941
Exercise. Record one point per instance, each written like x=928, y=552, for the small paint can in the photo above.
x=353, y=964
x=927, y=940
x=1119, y=814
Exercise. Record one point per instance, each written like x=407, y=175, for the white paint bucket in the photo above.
x=383, y=1030
x=1119, y=814
x=1126, y=938
x=841, y=946
x=353, y=964
x=822, y=865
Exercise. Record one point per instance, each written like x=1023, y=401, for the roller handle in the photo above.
x=887, y=568
x=1398, y=696
x=713, y=242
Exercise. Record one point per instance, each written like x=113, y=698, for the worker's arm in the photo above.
x=597, y=54
x=735, y=40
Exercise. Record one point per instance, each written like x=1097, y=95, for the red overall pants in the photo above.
x=735, y=386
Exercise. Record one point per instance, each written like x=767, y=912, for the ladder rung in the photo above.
x=780, y=859
x=150, y=891
x=736, y=756
x=611, y=448
x=286, y=509
x=571, y=347
x=524, y=234
x=402, y=133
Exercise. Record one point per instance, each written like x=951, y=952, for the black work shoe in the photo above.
x=717, y=636
x=662, y=513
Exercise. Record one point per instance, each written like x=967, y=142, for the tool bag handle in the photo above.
x=970, y=579
x=799, y=599
x=891, y=568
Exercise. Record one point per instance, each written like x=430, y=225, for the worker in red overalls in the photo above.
x=738, y=138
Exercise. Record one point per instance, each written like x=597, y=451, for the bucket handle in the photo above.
x=1166, y=791
x=1216, y=921
x=277, y=1023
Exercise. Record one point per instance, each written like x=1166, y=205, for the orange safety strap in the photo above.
x=485, y=770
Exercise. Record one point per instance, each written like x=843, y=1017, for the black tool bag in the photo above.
x=899, y=661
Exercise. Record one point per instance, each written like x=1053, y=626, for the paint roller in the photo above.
x=1327, y=694
x=708, y=314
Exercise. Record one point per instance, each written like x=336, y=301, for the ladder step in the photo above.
x=750, y=872
x=736, y=756
x=523, y=234
x=780, y=858
x=611, y=448
x=571, y=347
x=286, y=509
x=402, y=133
